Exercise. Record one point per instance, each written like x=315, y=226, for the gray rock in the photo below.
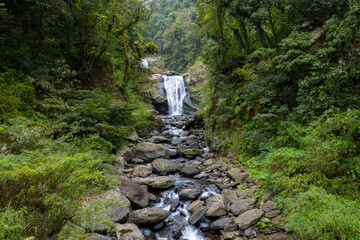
x=128, y=231
x=272, y=214
x=237, y=175
x=268, y=206
x=249, y=218
x=133, y=191
x=142, y=171
x=189, y=194
x=148, y=215
x=190, y=170
x=268, y=195
x=227, y=224
x=217, y=206
x=197, y=215
x=96, y=236
x=150, y=151
x=164, y=166
x=192, y=153
x=159, y=139
x=161, y=182
x=126, y=153
x=242, y=205
x=210, y=162
x=231, y=195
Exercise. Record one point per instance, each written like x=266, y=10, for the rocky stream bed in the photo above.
x=175, y=188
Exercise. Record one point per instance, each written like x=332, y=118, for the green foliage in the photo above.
x=320, y=215
x=12, y=223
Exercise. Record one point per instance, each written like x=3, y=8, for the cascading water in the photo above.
x=144, y=63
x=175, y=93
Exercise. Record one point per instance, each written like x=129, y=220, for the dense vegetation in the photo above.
x=70, y=86
x=286, y=76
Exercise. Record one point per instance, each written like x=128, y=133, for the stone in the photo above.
x=120, y=162
x=231, y=195
x=161, y=182
x=142, y=171
x=96, y=236
x=190, y=170
x=159, y=139
x=249, y=218
x=228, y=185
x=237, y=175
x=149, y=151
x=272, y=214
x=210, y=162
x=228, y=235
x=137, y=160
x=217, y=206
x=278, y=222
x=126, y=153
x=128, y=231
x=192, y=153
x=133, y=191
x=227, y=224
x=268, y=195
x=242, y=205
x=194, y=205
x=164, y=166
x=197, y=215
x=189, y=194
x=268, y=206
x=280, y=236
x=148, y=215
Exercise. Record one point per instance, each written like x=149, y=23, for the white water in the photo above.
x=175, y=93
x=144, y=63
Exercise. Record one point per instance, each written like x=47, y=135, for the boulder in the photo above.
x=237, y=175
x=272, y=214
x=189, y=194
x=192, y=153
x=164, y=166
x=268, y=206
x=190, y=170
x=159, y=139
x=242, y=205
x=128, y=231
x=126, y=153
x=133, y=191
x=249, y=218
x=149, y=151
x=217, y=206
x=142, y=171
x=96, y=236
x=231, y=195
x=227, y=224
x=197, y=215
x=161, y=182
x=210, y=162
x=194, y=205
x=148, y=215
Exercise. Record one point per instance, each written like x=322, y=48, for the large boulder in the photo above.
x=194, y=205
x=96, y=236
x=237, y=175
x=192, y=153
x=126, y=153
x=268, y=206
x=189, y=194
x=150, y=151
x=190, y=170
x=227, y=224
x=242, y=205
x=164, y=166
x=128, y=231
x=161, y=182
x=148, y=215
x=249, y=218
x=217, y=206
x=133, y=191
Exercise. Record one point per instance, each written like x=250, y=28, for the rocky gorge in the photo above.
x=173, y=187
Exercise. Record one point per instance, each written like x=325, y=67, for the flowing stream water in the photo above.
x=176, y=226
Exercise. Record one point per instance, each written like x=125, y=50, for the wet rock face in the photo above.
x=149, y=215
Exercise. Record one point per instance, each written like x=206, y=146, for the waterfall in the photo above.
x=175, y=93
x=144, y=63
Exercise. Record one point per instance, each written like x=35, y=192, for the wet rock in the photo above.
x=210, y=162
x=152, y=197
x=161, y=182
x=120, y=162
x=192, y=153
x=201, y=175
x=190, y=170
x=148, y=215
x=96, y=236
x=128, y=231
x=150, y=151
x=231, y=195
x=217, y=206
x=194, y=205
x=142, y=171
x=226, y=186
x=159, y=226
x=159, y=139
x=164, y=166
x=137, y=160
x=189, y=194
x=240, y=206
x=228, y=235
x=249, y=218
x=268, y=206
x=133, y=191
x=272, y=213
x=197, y=215
x=227, y=224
